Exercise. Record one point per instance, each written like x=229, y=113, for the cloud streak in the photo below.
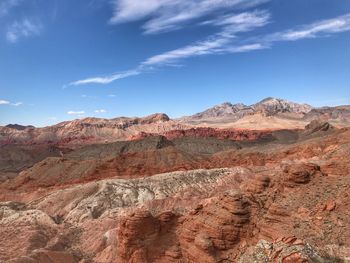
x=168, y=15
x=6, y=102
x=106, y=79
x=314, y=30
x=216, y=43
x=232, y=25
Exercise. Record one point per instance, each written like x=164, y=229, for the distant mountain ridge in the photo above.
x=267, y=107
x=89, y=130
x=19, y=127
x=268, y=114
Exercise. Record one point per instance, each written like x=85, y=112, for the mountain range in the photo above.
x=268, y=114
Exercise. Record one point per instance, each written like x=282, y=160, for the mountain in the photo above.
x=340, y=113
x=223, y=110
x=268, y=107
x=89, y=130
x=268, y=114
x=274, y=106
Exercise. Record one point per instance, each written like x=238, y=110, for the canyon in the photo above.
x=267, y=182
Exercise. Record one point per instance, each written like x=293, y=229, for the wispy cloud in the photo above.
x=217, y=43
x=112, y=95
x=22, y=29
x=247, y=48
x=100, y=111
x=318, y=29
x=168, y=15
x=7, y=5
x=228, y=40
x=6, y=102
x=76, y=112
x=106, y=79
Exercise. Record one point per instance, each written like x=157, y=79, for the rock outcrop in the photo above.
x=287, y=250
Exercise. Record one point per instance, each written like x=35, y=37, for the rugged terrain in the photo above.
x=159, y=190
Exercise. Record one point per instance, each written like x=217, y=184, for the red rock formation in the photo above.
x=227, y=134
x=289, y=194
x=287, y=250
x=213, y=231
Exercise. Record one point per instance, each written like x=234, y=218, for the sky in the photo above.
x=62, y=59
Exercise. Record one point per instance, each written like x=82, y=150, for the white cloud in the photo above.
x=227, y=40
x=4, y=102
x=246, y=48
x=21, y=29
x=318, y=29
x=100, y=111
x=168, y=15
x=106, y=79
x=224, y=42
x=216, y=43
x=76, y=112
x=197, y=49
x=112, y=95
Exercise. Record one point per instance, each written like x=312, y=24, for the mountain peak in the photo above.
x=222, y=110
x=273, y=106
x=269, y=106
x=269, y=99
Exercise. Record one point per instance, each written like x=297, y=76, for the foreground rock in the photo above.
x=285, y=200
x=194, y=216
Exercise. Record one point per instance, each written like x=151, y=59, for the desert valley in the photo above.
x=268, y=182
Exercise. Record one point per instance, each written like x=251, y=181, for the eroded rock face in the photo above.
x=294, y=195
x=230, y=134
x=208, y=233
x=287, y=250
x=300, y=173
x=23, y=230
x=213, y=230
x=144, y=238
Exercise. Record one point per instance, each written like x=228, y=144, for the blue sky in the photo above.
x=61, y=60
